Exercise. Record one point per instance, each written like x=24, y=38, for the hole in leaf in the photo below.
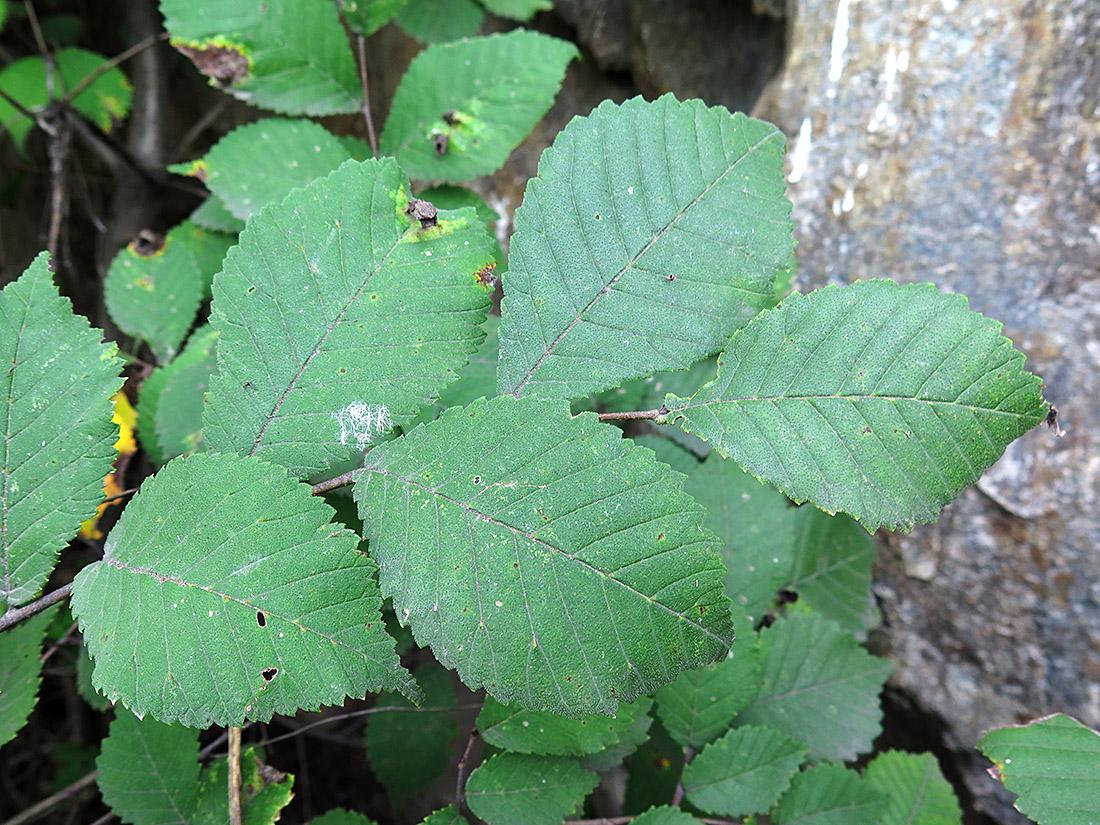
x=269, y=673
x=261, y=619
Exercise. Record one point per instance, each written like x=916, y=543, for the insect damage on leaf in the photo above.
x=361, y=422
x=148, y=243
x=424, y=212
x=218, y=59
x=485, y=276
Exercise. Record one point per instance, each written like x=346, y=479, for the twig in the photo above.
x=635, y=415
x=460, y=784
x=340, y=481
x=107, y=65
x=362, y=43
x=18, y=614
x=39, y=40
x=235, y=776
x=46, y=805
x=678, y=794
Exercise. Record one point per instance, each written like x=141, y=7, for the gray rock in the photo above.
x=960, y=143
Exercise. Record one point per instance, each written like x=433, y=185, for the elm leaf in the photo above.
x=879, y=400
x=830, y=794
x=340, y=315
x=516, y=729
x=20, y=672
x=520, y=789
x=463, y=106
x=916, y=792
x=653, y=231
x=225, y=593
x=545, y=557
x=1053, y=765
x=58, y=440
x=699, y=706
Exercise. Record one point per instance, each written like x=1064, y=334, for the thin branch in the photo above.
x=33, y=19
x=19, y=107
x=340, y=481
x=678, y=794
x=18, y=614
x=635, y=415
x=361, y=41
x=460, y=781
x=40, y=809
x=107, y=65
x=235, y=776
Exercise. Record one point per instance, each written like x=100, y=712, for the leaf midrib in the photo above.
x=606, y=289
x=772, y=399
x=553, y=548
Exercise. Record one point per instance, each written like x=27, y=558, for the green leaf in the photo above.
x=744, y=772
x=446, y=816
x=517, y=729
x=455, y=197
x=84, y=685
x=652, y=232
x=263, y=796
x=757, y=529
x=819, y=686
x=629, y=740
x=478, y=379
x=207, y=245
x=291, y=56
x=437, y=21
x=365, y=17
x=462, y=107
x=699, y=706
x=665, y=816
x=261, y=162
x=154, y=294
x=58, y=440
x=105, y=101
x=1053, y=765
x=213, y=214
x=410, y=747
x=830, y=795
x=915, y=790
x=521, y=10
x=171, y=400
x=832, y=568
x=329, y=332
x=225, y=593
x=520, y=789
x=543, y=556
x=654, y=772
x=878, y=399
x=20, y=672
x=149, y=772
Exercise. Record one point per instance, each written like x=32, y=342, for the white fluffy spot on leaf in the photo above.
x=361, y=422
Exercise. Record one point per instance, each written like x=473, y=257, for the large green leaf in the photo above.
x=260, y=163
x=546, y=558
x=915, y=790
x=288, y=55
x=878, y=399
x=518, y=9
x=20, y=672
x=368, y=16
x=340, y=315
x=652, y=232
x=517, y=729
x=519, y=789
x=437, y=21
x=818, y=686
x=264, y=793
x=462, y=107
x=105, y=101
x=410, y=747
x=58, y=440
x=830, y=795
x=154, y=294
x=1053, y=765
x=744, y=772
x=149, y=772
x=225, y=593
x=699, y=706
x=207, y=245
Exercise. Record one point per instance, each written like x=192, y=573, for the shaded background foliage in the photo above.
x=960, y=145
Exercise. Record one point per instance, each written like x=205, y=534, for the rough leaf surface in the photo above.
x=699, y=706
x=915, y=790
x=652, y=232
x=57, y=443
x=516, y=729
x=744, y=772
x=830, y=795
x=519, y=789
x=226, y=593
x=20, y=672
x=463, y=106
x=291, y=56
x=878, y=399
x=543, y=556
x=340, y=316
x=818, y=686
x=149, y=772
x=1053, y=765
